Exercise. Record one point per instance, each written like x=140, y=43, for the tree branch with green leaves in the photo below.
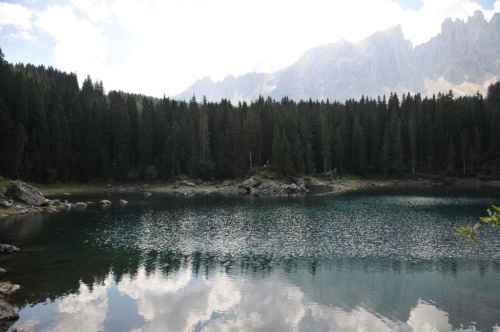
x=471, y=233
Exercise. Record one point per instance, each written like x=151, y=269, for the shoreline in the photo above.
x=337, y=186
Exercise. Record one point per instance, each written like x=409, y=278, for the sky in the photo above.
x=160, y=47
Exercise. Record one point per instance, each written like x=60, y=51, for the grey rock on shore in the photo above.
x=7, y=313
x=23, y=192
x=250, y=183
x=9, y=289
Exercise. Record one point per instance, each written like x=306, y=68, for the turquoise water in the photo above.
x=383, y=259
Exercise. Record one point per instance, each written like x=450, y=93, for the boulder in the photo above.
x=250, y=183
x=255, y=191
x=5, y=204
x=105, y=202
x=56, y=202
x=7, y=312
x=302, y=185
x=8, y=289
x=315, y=185
x=2, y=271
x=147, y=194
x=8, y=249
x=123, y=202
x=2, y=192
x=23, y=192
x=176, y=185
x=292, y=189
x=187, y=184
x=80, y=205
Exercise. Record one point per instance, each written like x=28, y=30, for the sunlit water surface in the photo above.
x=379, y=260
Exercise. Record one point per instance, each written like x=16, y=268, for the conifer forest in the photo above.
x=52, y=130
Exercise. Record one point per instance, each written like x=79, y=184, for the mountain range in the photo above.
x=464, y=57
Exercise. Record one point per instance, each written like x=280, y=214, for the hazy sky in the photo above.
x=163, y=46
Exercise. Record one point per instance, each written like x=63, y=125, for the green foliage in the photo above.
x=51, y=130
x=471, y=232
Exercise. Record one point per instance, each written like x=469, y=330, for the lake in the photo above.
x=384, y=259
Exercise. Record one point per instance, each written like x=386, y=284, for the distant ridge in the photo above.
x=464, y=57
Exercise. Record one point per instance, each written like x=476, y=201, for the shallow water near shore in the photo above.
x=378, y=259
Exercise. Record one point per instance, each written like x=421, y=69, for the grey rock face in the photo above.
x=23, y=192
x=462, y=57
x=462, y=52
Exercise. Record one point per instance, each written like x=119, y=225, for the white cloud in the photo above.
x=171, y=44
x=18, y=16
x=79, y=44
x=97, y=10
x=85, y=310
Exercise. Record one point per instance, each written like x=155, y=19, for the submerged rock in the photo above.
x=8, y=249
x=23, y=192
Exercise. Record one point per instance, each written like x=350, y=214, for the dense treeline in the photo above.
x=51, y=130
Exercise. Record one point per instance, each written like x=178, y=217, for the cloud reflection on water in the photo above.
x=185, y=301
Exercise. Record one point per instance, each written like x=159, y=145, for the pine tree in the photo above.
x=451, y=156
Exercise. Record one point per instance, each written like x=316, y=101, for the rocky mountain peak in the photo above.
x=463, y=57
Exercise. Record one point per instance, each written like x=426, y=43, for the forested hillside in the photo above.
x=51, y=130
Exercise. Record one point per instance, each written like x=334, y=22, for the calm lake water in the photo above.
x=378, y=260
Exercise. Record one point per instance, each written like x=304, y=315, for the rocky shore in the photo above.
x=20, y=198
x=7, y=314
